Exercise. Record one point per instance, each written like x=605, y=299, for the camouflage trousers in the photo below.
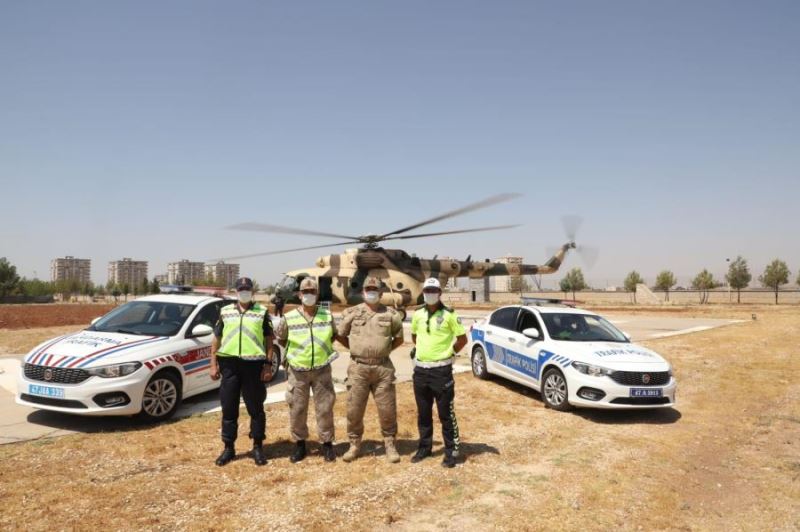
x=297, y=397
x=363, y=379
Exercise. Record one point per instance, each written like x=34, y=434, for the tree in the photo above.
x=738, y=276
x=576, y=281
x=125, y=289
x=8, y=277
x=664, y=281
x=565, y=286
x=116, y=292
x=631, y=282
x=154, y=286
x=704, y=281
x=35, y=287
x=775, y=274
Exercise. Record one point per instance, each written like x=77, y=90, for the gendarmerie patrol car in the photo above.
x=143, y=357
x=572, y=357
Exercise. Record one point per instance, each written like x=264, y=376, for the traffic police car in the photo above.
x=572, y=357
x=143, y=357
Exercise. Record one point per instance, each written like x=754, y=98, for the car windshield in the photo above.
x=581, y=328
x=147, y=318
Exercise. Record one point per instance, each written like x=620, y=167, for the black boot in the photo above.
x=328, y=452
x=227, y=454
x=449, y=460
x=421, y=454
x=299, y=452
x=259, y=457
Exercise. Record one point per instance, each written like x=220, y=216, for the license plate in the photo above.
x=46, y=391
x=645, y=392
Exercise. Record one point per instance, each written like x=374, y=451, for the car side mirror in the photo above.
x=95, y=320
x=201, y=329
x=531, y=332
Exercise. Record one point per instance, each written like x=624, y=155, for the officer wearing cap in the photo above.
x=241, y=354
x=371, y=331
x=307, y=333
x=434, y=327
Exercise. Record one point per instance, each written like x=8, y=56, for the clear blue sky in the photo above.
x=141, y=129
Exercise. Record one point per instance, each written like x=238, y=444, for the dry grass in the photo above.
x=21, y=341
x=726, y=459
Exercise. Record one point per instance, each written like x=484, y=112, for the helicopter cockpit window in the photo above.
x=289, y=283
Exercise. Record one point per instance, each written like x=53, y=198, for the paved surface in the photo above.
x=18, y=423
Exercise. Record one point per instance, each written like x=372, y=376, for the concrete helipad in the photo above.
x=18, y=423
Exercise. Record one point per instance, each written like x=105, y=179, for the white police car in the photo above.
x=572, y=357
x=143, y=357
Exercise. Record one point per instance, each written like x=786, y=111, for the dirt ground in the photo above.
x=727, y=458
x=50, y=315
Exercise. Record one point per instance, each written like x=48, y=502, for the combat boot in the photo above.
x=259, y=457
x=328, y=451
x=354, y=451
x=299, y=452
x=227, y=454
x=391, y=452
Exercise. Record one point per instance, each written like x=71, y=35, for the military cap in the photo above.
x=244, y=283
x=372, y=282
x=308, y=284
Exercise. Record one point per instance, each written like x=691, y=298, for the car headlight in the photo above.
x=588, y=369
x=114, y=370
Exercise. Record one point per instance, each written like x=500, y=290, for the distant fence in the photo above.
x=10, y=300
x=601, y=297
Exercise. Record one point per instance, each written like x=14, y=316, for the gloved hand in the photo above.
x=413, y=352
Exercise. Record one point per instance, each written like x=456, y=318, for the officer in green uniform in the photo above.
x=241, y=354
x=307, y=333
x=434, y=327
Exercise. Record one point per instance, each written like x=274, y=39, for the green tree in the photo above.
x=576, y=281
x=632, y=280
x=704, y=281
x=738, y=276
x=125, y=289
x=116, y=292
x=35, y=287
x=664, y=281
x=154, y=286
x=8, y=277
x=775, y=274
x=565, y=286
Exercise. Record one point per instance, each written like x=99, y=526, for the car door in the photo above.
x=195, y=357
x=527, y=349
x=499, y=340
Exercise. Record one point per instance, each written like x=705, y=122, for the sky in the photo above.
x=143, y=129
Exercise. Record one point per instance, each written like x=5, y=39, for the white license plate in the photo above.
x=46, y=391
x=645, y=392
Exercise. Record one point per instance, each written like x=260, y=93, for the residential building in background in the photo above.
x=69, y=268
x=508, y=283
x=161, y=278
x=127, y=271
x=185, y=271
x=221, y=272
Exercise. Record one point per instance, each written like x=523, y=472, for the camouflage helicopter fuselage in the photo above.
x=340, y=276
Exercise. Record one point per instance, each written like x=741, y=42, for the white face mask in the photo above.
x=430, y=299
x=309, y=299
x=372, y=297
x=245, y=296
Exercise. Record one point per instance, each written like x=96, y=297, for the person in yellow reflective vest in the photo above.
x=241, y=355
x=307, y=334
x=434, y=329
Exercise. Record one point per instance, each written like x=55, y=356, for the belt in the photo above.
x=437, y=364
x=369, y=361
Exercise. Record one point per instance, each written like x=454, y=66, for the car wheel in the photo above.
x=555, y=393
x=479, y=363
x=161, y=398
x=276, y=362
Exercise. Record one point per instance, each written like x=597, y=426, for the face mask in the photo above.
x=372, y=297
x=245, y=296
x=430, y=299
x=309, y=299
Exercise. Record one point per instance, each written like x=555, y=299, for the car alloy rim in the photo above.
x=159, y=397
x=555, y=389
x=477, y=362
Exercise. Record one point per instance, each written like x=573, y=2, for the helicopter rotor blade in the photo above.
x=588, y=255
x=271, y=228
x=475, y=230
x=572, y=223
x=253, y=255
x=493, y=200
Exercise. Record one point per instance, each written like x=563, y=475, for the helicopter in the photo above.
x=340, y=276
